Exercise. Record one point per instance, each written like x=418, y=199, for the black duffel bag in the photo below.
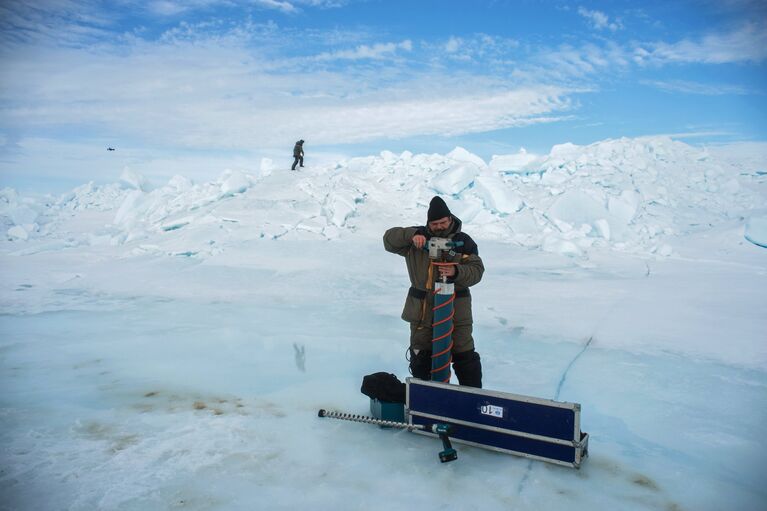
x=384, y=387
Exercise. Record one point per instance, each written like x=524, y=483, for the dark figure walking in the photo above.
x=298, y=154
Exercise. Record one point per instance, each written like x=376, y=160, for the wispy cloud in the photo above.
x=599, y=20
x=482, y=49
x=180, y=91
x=688, y=87
x=462, y=112
x=175, y=7
x=576, y=64
x=748, y=43
x=59, y=23
x=376, y=51
x=696, y=134
x=276, y=4
x=453, y=44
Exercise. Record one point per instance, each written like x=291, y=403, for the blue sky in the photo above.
x=198, y=86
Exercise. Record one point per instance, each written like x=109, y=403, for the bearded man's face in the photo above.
x=441, y=226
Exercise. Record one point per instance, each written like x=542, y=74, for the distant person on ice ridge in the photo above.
x=298, y=154
x=409, y=242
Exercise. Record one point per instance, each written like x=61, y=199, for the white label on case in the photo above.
x=492, y=411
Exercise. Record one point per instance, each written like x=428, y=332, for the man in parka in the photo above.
x=409, y=242
x=298, y=154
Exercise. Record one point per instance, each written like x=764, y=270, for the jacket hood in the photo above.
x=457, y=224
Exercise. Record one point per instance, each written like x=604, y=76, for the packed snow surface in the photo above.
x=168, y=346
x=756, y=230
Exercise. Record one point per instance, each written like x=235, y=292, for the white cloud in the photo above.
x=176, y=7
x=460, y=113
x=484, y=50
x=569, y=63
x=276, y=4
x=167, y=7
x=60, y=23
x=173, y=7
x=696, y=134
x=185, y=92
x=687, y=87
x=453, y=44
x=600, y=20
x=746, y=44
x=323, y=4
x=375, y=52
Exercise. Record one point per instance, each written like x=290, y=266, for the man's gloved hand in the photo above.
x=447, y=271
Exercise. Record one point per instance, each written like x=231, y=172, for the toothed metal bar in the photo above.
x=369, y=420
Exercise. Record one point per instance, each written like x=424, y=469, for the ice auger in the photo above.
x=442, y=313
x=442, y=430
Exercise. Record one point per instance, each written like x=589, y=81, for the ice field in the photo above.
x=168, y=347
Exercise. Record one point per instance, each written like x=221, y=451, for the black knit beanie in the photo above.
x=437, y=209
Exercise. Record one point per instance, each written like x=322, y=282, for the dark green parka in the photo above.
x=423, y=274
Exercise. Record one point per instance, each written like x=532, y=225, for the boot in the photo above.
x=468, y=368
x=420, y=364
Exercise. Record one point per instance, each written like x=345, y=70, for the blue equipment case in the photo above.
x=535, y=428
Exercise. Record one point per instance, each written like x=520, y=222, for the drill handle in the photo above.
x=448, y=453
x=446, y=244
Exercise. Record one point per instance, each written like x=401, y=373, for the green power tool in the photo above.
x=443, y=430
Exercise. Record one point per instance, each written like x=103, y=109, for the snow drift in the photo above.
x=633, y=195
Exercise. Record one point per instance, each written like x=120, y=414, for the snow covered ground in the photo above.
x=168, y=347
